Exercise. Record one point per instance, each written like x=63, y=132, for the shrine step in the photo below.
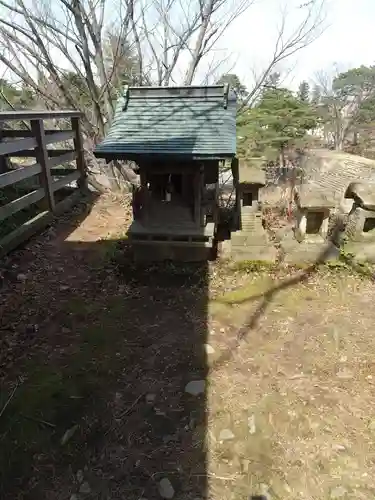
x=172, y=243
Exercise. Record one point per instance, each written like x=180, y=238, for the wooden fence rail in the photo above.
x=32, y=142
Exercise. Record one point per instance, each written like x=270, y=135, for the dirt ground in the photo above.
x=190, y=382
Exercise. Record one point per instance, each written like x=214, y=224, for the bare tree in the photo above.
x=41, y=46
x=288, y=44
x=36, y=40
x=174, y=30
x=335, y=125
x=342, y=94
x=167, y=36
x=102, y=43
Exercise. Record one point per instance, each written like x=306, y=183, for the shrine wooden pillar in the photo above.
x=146, y=197
x=216, y=205
x=198, y=185
x=185, y=186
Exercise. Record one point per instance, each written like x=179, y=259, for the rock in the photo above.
x=245, y=465
x=226, y=435
x=371, y=425
x=338, y=447
x=79, y=476
x=21, y=277
x=345, y=374
x=168, y=438
x=195, y=387
x=166, y=489
x=68, y=434
x=209, y=349
x=85, y=488
x=251, y=424
x=64, y=288
x=64, y=329
x=338, y=492
x=150, y=398
x=74, y=497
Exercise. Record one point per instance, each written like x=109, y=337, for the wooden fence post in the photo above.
x=81, y=163
x=41, y=155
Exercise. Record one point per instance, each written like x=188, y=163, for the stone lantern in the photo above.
x=313, y=212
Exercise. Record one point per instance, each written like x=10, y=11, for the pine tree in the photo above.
x=273, y=80
x=235, y=83
x=274, y=123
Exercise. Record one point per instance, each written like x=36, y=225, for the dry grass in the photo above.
x=306, y=376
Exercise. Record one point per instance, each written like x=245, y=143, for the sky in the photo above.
x=347, y=40
x=247, y=45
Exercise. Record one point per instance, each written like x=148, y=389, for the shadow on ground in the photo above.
x=96, y=356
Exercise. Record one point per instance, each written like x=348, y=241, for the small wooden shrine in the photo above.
x=177, y=136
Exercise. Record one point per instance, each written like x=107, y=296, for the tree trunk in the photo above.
x=282, y=158
x=197, y=52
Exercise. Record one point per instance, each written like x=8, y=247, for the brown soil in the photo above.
x=96, y=353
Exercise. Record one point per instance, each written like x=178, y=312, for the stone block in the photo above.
x=364, y=193
x=162, y=252
x=346, y=205
x=251, y=221
x=361, y=225
x=250, y=238
x=308, y=252
x=252, y=245
x=261, y=253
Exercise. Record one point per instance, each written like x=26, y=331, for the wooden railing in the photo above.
x=32, y=142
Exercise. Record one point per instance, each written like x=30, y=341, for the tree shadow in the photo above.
x=266, y=298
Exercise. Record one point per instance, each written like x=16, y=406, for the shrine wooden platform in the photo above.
x=171, y=222
x=180, y=234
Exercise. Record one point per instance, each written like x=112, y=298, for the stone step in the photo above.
x=243, y=239
x=252, y=228
x=250, y=217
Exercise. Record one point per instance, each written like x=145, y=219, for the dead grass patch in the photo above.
x=304, y=375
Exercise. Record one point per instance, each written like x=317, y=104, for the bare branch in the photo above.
x=309, y=29
x=36, y=19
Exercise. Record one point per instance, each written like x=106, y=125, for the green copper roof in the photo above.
x=198, y=122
